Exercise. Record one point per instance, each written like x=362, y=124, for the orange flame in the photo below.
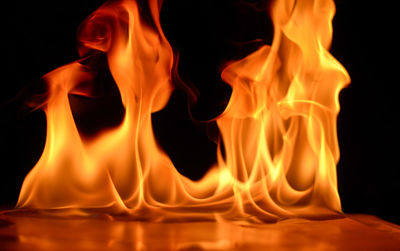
x=278, y=131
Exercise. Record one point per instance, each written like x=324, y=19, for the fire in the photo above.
x=278, y=130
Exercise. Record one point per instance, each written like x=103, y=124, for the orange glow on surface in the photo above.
x=354, y=232
x=278, y=130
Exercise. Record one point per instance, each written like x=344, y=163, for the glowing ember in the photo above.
x=278, y=131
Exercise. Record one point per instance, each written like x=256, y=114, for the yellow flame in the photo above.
x=278, y=131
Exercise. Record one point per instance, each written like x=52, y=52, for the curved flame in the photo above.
x=278, y=131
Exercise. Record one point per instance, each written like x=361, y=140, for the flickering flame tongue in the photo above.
x=278, y=130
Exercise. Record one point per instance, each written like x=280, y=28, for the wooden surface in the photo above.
x=352, y=232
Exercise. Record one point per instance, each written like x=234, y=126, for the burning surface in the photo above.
x=278, y=150
x=355, y=232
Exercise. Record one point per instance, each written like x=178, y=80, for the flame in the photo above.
x=279, y=149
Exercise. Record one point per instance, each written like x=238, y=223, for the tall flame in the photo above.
x=278, y=132
x=279, y=129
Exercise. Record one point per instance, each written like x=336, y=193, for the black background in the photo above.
x=39, y=36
